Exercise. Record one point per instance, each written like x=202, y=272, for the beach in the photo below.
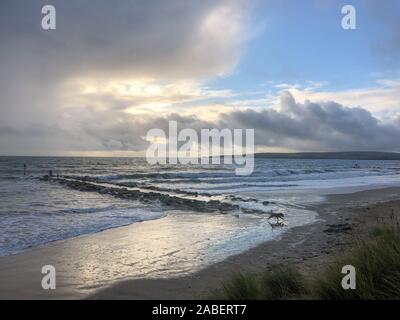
x=199, y=150
x=83, y=262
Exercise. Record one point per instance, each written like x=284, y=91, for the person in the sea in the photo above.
x=24, y=169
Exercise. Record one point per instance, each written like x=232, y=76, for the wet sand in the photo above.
x=342, y=219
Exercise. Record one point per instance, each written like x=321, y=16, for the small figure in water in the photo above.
x=24, y=169
x=50, y=173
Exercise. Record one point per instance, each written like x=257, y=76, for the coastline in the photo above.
x=342, y=218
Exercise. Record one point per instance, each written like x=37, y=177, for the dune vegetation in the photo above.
x=376, y=260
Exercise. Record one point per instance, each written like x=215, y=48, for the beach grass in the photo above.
x=283, y=282
x=376, y=260
x=377, y=264
x=240, y=287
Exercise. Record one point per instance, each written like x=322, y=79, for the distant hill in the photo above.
x=361, y=155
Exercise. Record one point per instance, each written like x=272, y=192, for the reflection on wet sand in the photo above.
x=175, y=245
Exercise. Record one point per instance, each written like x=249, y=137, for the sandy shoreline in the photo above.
x=342, y=218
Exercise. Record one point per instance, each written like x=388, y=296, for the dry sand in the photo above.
x=343, y=218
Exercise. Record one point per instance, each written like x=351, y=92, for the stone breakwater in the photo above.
x=170, y=201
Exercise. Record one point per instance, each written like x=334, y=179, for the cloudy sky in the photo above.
x=112, y=70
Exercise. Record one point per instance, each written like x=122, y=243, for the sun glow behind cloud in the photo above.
x=140, y=96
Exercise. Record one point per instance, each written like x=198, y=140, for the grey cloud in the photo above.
x=121, y=38
x=127, y=132
x=324, y=126
x=310, y=126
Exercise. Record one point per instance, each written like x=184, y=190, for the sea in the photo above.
x=36, y=211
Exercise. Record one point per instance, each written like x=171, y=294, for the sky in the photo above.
x=111, y=71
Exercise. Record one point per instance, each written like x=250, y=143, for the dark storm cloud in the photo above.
x=323, y=126
x=317, y=126
x=127, y=133
x=132, y=37
x=164, y=40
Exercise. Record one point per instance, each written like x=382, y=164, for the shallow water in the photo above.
x=164, y=248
